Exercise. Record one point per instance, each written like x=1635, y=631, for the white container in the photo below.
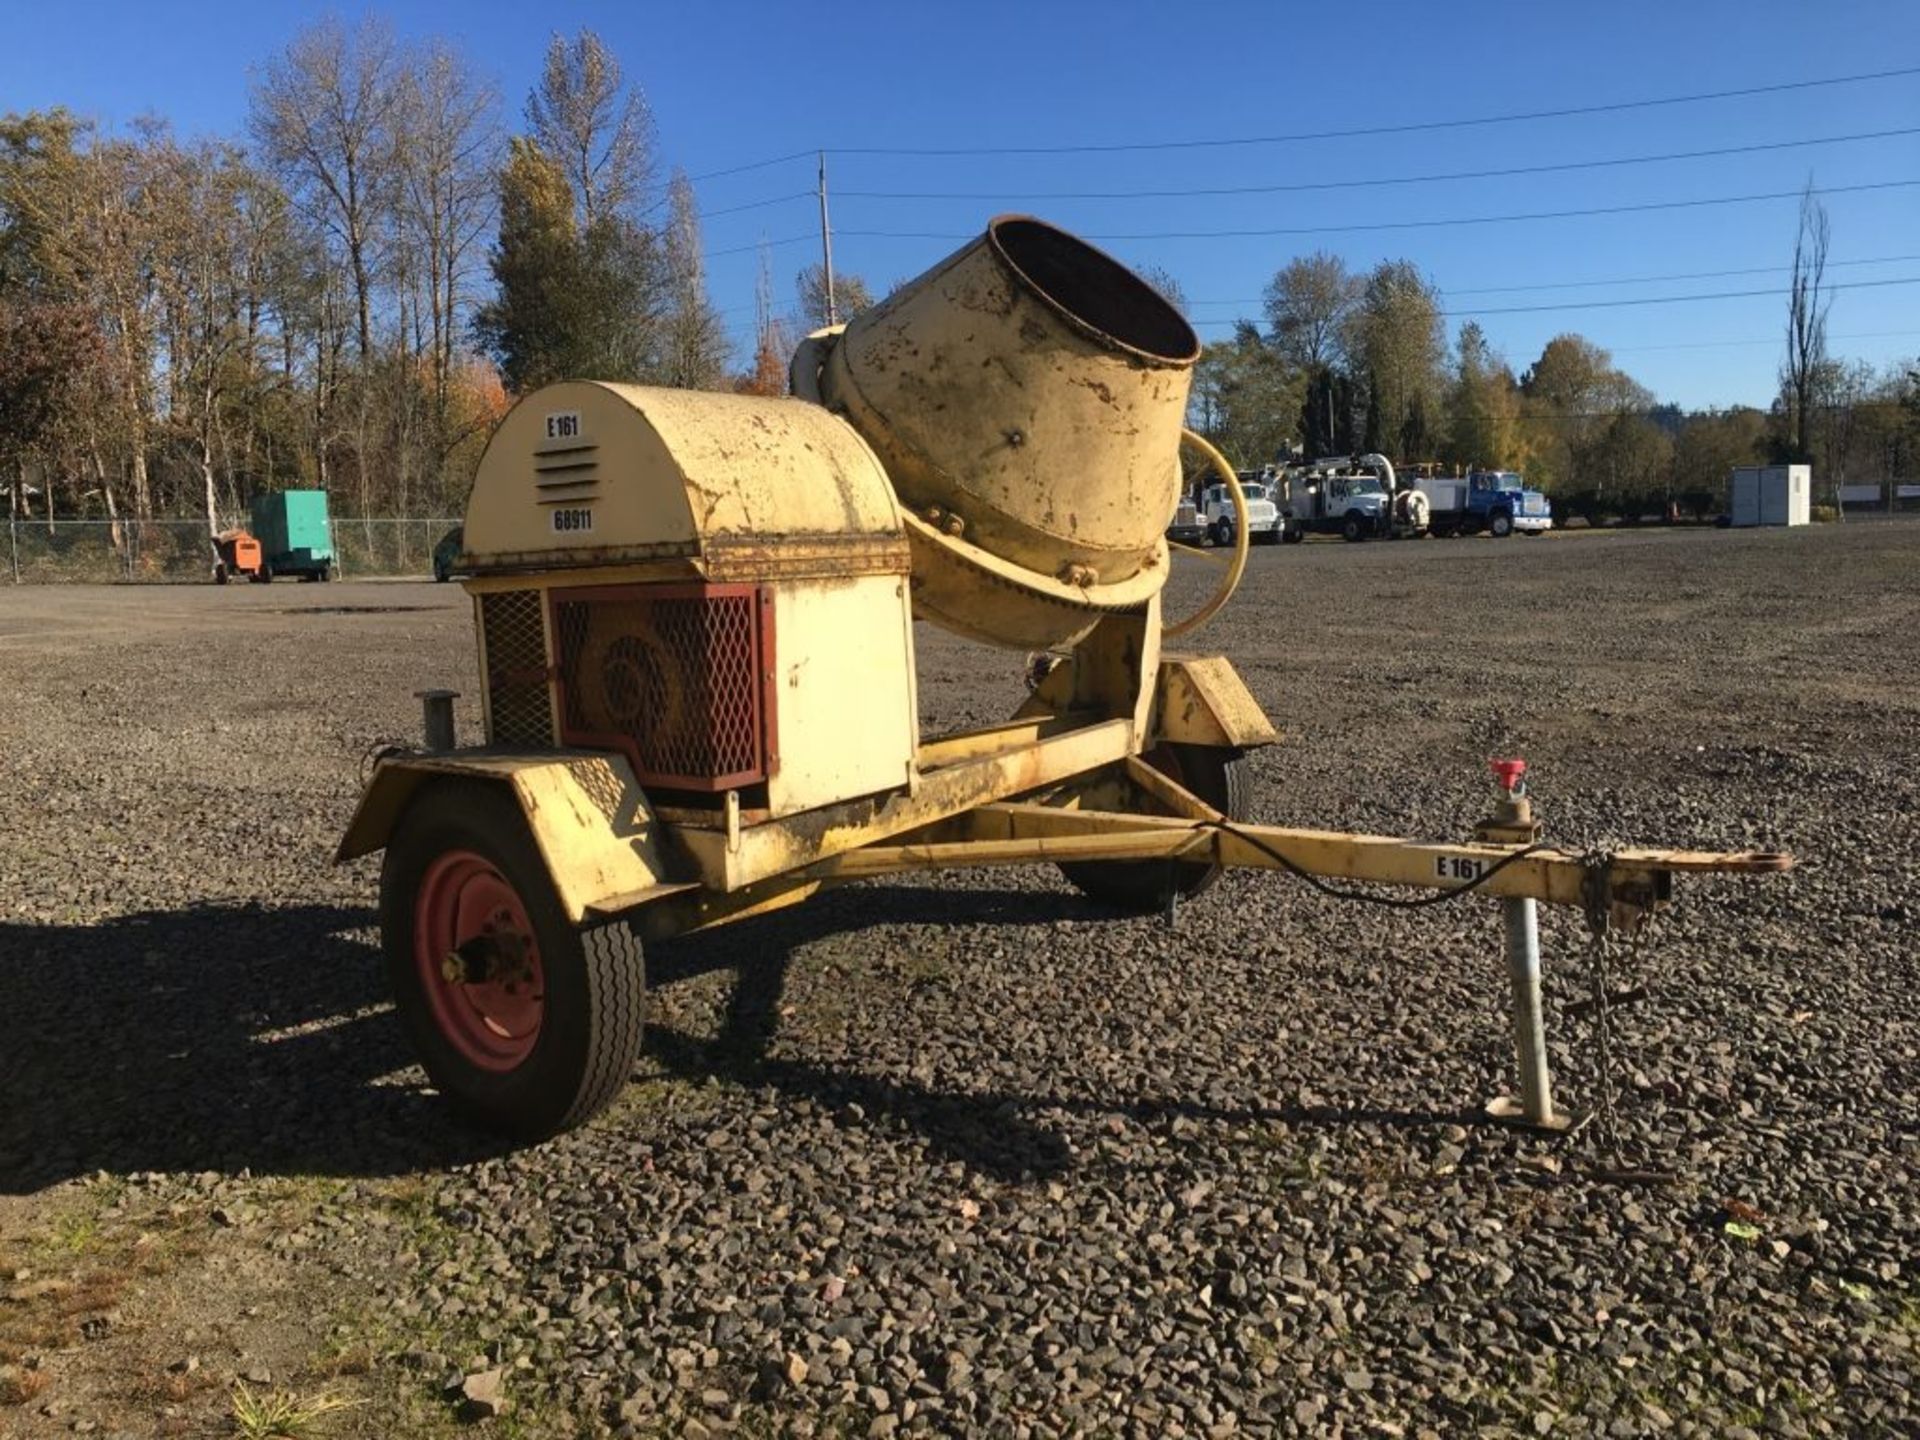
x=1445, y=494
x=1771, y=495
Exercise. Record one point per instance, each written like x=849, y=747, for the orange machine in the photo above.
x=238, y=553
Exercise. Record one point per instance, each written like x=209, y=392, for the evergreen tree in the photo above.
x=530, y=324
x=570, y=304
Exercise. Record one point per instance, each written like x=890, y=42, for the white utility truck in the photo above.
x=1353, y=496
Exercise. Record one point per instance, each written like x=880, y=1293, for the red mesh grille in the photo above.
x=675, y=675
x=516, y=646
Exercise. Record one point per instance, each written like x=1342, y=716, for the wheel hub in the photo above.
x=479, y=961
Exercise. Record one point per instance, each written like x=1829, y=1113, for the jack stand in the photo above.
x=1513, y=823
x=1533, y=1108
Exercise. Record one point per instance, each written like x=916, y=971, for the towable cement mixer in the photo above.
x=695, y=618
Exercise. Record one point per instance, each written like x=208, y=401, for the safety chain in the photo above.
x=1597, y=899
x=1596, y=896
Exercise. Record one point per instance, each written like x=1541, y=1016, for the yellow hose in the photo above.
x=1241, y=538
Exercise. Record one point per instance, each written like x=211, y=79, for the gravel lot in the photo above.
x=960, y=1155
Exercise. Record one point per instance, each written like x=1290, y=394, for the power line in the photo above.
x=1373, y=182
x=1647, y=413
x=1644, y=300
x=1426, y=224
x=758, y=204
x=1621, y=280
x=754, y=165
x=770, y=244
x=1667, y=299
x=1761, y=340
x=1612, y=108
x=1658, y=279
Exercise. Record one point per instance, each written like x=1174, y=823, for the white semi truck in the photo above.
x=1264, y=525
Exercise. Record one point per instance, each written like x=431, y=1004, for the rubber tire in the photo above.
x=596, y=989
x=219, y=574
x=1293, y=535
x=326, y=574
x=1500, y=525
x=264, y=574
x=1221, y=777
x=1352, y=528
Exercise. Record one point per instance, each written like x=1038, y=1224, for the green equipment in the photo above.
x=294, y=533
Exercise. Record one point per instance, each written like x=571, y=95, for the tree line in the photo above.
x=1354, y=363
x=346, y=295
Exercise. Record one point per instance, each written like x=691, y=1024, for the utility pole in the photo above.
x=826, y=243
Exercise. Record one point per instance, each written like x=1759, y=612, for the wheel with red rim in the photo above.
x=478, y=961
x=1214, y=774
x=525, y=1022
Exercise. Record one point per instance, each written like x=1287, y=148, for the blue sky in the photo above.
x=733, y=84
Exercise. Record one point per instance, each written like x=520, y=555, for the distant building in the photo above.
x=1771, y=494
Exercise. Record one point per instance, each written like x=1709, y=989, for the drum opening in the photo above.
x=1094, y=289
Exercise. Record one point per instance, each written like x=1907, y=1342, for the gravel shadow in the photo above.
x=989, y=1130
x=215, y=1037
x=228, y=1038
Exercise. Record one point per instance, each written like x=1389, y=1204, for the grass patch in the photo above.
x=21, y=1386
x=280, y=1414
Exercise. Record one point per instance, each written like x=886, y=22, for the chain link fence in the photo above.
x=108, y=551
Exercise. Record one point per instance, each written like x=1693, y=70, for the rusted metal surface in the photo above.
x=969, y=590
x=1203, y=701
x=586, y=474
x=1014, y=833
x=586, y=813
x=1196, y=699
x=993, y=739
x=765, y=851
x=1026, y=397
x=678, y=678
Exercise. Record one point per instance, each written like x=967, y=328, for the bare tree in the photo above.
x=1807, y=305
x=1164, y=281
x=447, y=144
x=599, y=132
x=203, y=280
x=768, y=372
x=850, y=296
x=695, y=348
x=324, y=114
x=97, y=210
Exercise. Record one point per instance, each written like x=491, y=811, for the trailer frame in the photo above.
x=1040, y=789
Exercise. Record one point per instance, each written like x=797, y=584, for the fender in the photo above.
x=1201, y=700
x=1197, y=700
x=586, y=813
